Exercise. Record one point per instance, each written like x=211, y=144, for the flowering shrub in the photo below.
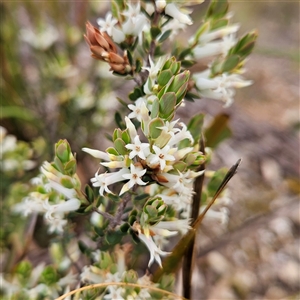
x=149, y=185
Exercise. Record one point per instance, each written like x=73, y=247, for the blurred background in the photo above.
x=52, y=89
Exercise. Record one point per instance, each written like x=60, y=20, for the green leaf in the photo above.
x=66, y=182
x=99, y=231
x=141, y=197
x=175, y=67
x=70, y=167
x=217, y=131
x=126, y=137
x=219, y=24
x=17, y=112
x=135, y=94
x=138, y=66
x=155, y=31
x=195, y=126
x=167, y=104
x=155, y=109
x=151, y=211
x=132, y=219
x=113, y=197
x=230, y=63
x=181, y=92
x=188, y=63
x=89, y=193
x=124, y=227
x=154, y=131
x=112, y=151
x=164, y=36
x=245, y=45
x=119, y=121
x=178, y=81
x=217, y=9
x=114, y=237
x=49, y=276
x=216, y=181
x=164, y=77
x=184, y=53
x=130, y=59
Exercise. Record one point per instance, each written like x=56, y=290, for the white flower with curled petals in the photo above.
x=138, y=149
x=105, y=179
x=181, y=16
x=155, y=252
x=107, y=24
x=161, y=156
x=139, y=109
x=220, y=87
x=134, y=178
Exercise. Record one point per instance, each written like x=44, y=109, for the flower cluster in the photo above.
x=112, y=269
x=216, y=39
x=56, y=190
x=15, y=155
x=163, y=155
x=144, y=186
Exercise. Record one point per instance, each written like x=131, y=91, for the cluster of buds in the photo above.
x=103, y=48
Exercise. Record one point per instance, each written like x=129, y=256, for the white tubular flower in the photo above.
x=136, y=21
x=97, y=154
x=160, y=5
x=31, y=204
x=181, y=135
x=220, y=87
x=61, y=208
x=222, y=216
x=8, y=142
x=134, y=178
x=55, y=177
x=131, y=128
x=155, y=252
x=155, y=67
x=177, y=225
x=132, y=12
x=69, y=279
x=108, y=24
x=117, y=35
x=109, y=277
x=161, y=156
x=183, y=17
x=114, y=164
x=218, y=33
x=116, y=293
x=87, y=275
x=106, y=179
x=41, y=40
x=175, y=26
x=169, y=127
x=56, y=224
x=139, y=109
x=69, y=193
x=215, y=47
x=142, y=150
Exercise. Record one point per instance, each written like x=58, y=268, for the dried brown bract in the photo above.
x=103, y=48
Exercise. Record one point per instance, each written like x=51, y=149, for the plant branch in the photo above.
x=187, y=266
x=104, y=214
x=119, y=213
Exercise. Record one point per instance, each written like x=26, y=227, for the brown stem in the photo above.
x=187, y=266
x=118, y=216
x=153, y=42
x=104, y=214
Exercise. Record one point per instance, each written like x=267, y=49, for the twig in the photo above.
x=104, y=214
x=118, y=216
x=187, y=266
